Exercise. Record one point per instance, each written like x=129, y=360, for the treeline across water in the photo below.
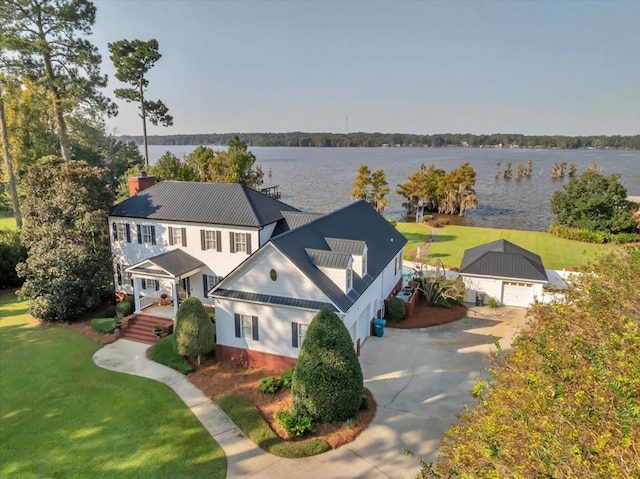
x=328, y=140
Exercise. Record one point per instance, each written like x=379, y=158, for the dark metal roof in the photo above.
x=503, y=259
x=350, y=247
x=357, y=221
x=175, y=262
x=213, y=203
x=328, y=259
x=293, y=220
x=266, y=298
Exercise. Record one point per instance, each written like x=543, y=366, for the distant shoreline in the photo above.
x=398, y=140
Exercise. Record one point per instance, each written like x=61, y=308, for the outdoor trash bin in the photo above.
x=378, y=327
x=479, y=299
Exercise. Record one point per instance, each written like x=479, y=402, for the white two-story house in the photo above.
x=180, y=238
x=266, y=267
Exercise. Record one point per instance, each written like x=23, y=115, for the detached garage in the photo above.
x=505, y=271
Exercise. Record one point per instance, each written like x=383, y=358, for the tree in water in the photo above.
x=459, y=195
x=507, y=171
x=529, y=169
x=379, y=190
x=426, y=185
x=133, y=59
x=48, y=43
x=498, y=165
x=519, y=171
x=360, y=186
x=573, y=169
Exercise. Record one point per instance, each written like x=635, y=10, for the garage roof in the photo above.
x=503, y=259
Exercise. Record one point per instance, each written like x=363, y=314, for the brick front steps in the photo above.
x=139, y=328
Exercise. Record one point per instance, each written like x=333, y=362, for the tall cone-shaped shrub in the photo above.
x=327, y=380
x=193, y=331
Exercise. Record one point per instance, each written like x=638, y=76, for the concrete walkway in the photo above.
x=419, y=378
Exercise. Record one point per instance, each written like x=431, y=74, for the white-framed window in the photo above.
x=240, y=242
x=349, y=279
x=124, y=278
x=246, y=326
x=176, y=235
x=146, y=234
x=297, y=334
x=210, y=240
x=121, y=231
x=150, y=284
x=209, y=281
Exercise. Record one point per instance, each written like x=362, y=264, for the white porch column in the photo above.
x=136, y=295
x=174, y=290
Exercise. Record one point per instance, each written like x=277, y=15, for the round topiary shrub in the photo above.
x=395, y=309
x=327, y=380
x=193, y=331
x=123, y=309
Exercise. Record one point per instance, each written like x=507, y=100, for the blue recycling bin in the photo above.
x=378, y=327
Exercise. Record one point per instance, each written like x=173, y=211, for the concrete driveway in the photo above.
x=421, y=380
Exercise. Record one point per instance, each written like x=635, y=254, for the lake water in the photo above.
x=319, y=179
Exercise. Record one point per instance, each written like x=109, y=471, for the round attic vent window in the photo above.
x=273, y=274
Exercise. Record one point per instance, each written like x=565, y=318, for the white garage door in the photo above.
x=517, y=294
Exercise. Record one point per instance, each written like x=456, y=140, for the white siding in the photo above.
x=217, y=263
x=274, y=326
x=290, y=282
x=494, y=287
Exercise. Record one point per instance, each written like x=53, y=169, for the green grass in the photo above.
x=63, y=416
x=162, y=352
x=7, y=221
x=248, y=419
x=102, y=325
x=451, y=242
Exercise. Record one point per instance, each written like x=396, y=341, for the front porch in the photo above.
x=160, y=283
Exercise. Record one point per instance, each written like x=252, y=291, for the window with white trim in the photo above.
x=246, y=326
x=210, y=240
x=349, y=279
x=176, y=235
x=297, y=334
x=240, y=242
x=147, y=233
x=121, y=231
x=364, y=264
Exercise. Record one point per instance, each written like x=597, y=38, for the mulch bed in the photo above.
x=424, y=316
x=215, y=378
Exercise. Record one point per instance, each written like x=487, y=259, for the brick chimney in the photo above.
x=140, y=182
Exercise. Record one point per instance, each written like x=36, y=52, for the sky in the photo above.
x=425, y=67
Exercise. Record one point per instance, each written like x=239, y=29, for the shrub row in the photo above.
x=598, y=237
x=251, y=423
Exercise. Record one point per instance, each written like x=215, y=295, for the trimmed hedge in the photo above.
x=194, y=333
x=124, y=308
x=162, y=352
x=396, y=309
x=327, y=380
x=102, y=325
x=252, y=424
x=597, y=237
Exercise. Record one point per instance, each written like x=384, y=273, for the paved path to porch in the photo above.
x=419, y=378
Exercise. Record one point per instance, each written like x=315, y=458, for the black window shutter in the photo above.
x=143, y=283
x=128, y=232
x=139, y=228
x=119, y=273
x=184, y=237
x=248, y=241
x=237, y=317
x=157, y=284
x=294, y=335
x=254, y=327
x=170, y=235
x=203, y=244
x=218, y=241
x=115, y=231
x=153, y=235
x=232, y=246
x=205, y=285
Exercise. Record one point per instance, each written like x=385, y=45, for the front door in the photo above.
x=184, y=290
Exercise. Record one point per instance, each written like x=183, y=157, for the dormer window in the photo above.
x=349, y=279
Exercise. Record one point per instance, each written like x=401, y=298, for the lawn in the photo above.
x=451, y=242
x=62, y=416
x=7, y=221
